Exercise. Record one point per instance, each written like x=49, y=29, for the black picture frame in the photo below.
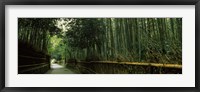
x=3, y=3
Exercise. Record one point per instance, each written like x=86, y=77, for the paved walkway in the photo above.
x=58, y=69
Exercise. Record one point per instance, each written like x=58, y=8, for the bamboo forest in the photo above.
x=99, y=45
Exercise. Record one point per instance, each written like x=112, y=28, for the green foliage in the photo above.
x=156, y=40
x=56, y=48
x=84, y=32
x=36, y=31
x=126, y=39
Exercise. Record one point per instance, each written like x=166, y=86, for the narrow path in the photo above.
x=58, y=69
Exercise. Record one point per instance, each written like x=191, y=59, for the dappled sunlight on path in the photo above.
x=58, y=69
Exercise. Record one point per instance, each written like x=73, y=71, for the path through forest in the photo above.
x=58, y=69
